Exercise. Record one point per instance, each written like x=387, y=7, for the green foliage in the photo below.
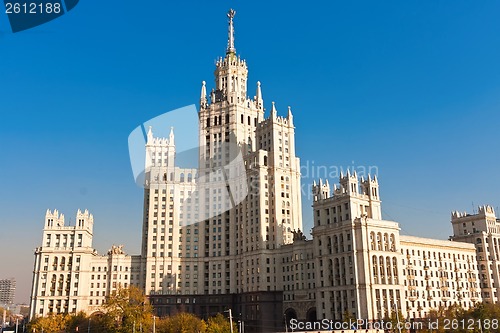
x=189, y=323
x=395, y=318
x=466, y=320
x=220, y=324
x=181, y=323
x=7, y=313
x=347, y=316
x=125, y=309
x=53, y=323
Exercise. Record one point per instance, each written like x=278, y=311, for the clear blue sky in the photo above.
x=412, y=87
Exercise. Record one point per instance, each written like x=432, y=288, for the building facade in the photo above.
x=7, y=291
x=227, y=234
x=483, y=230
x=69, y=276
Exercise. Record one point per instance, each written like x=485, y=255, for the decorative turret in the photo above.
x=231, y=72
x=54, y=219
x=289, y=116
x=171, y=140
x=321, y=191
x=369, y=187
x=150, y=135
x=203, y=95
x=349, y=183
x=258, y=97
x=274, y=113
x=486, y=210
x=84, y=220
x=160, y=152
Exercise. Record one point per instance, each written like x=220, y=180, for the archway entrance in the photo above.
x=289, y=315
x=311, y=314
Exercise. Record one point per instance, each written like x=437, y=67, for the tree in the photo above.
x=181, y=323
x=79, y=320
x=126, y=308
x=53, y=323
x=220, y=324
x=468, y=319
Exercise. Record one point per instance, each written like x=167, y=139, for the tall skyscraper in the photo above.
x=228, y=243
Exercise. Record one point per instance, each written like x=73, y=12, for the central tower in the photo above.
x=264, y=221
x=231, y=247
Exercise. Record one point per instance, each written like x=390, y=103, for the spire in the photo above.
x=171, y=136
x=259, y=92
x=150, y=134
x=258, y=95
x=203, y=95
x=230, y=38
x=289, y=116
x=273, y=111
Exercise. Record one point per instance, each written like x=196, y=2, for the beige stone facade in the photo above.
x=69, y=276
x=482, y=229
x=197, y=240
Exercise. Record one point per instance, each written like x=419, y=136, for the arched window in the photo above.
x=375, y=269
x=208, y=122
x=381, y=269
x=388, y=270
x=182, y=177
x=395, y=269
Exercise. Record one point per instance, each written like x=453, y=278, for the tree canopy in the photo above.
x=127, y=311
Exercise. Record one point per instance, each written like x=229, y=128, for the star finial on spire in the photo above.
x=230, y=39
